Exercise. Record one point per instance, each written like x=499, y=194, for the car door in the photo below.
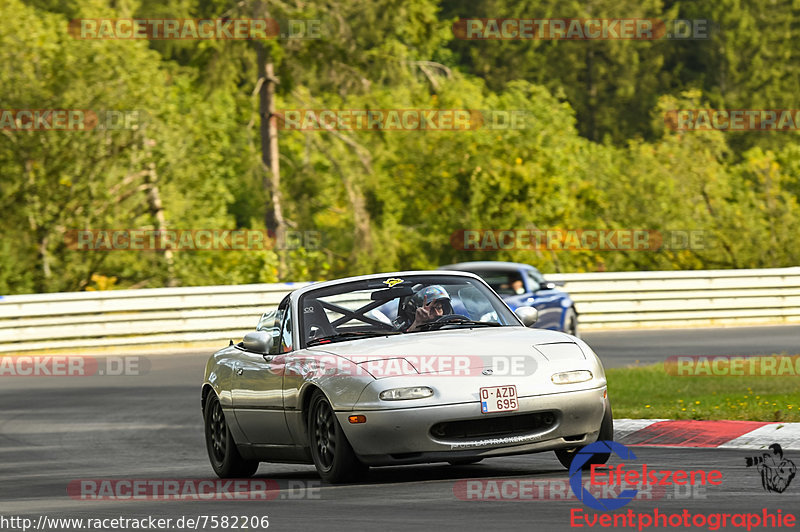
x=257, y=390
x=546, y=300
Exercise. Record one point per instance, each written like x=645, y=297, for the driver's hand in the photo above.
x=422, y=315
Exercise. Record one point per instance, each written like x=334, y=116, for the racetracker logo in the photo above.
x=577, y=239
x=68, y=120
x=173, y=490
x=433, y=365
x=576, y=29
x=529, y=489
x=401, y=119
x=73, y=366
x=733, y=366
x=189, y=240
x=733, y=119
x=193, y=29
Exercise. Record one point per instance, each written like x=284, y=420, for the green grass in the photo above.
x=650, y=392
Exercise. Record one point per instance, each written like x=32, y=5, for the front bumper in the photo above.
x=404, y=436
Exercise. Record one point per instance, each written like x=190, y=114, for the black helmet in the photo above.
x=428, y=295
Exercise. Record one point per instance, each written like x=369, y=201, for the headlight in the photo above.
x=401, y=394
x=571, y=377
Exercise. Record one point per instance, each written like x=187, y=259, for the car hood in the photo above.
x=465, y=350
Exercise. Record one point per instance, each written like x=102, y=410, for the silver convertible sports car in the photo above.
x=400, y=368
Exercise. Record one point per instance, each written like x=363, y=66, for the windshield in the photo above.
x=504, y=282
x=378, y=307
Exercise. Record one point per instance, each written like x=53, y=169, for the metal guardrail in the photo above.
x=214, y=314
x=134, y=317
x=684, y=298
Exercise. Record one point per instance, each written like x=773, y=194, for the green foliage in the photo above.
x=594, y=152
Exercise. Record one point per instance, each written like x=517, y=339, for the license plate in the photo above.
x=499, y=399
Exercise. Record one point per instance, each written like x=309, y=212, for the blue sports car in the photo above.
x=522, y=285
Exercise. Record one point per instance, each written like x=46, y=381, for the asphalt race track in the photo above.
x=621, y=348
x=55, y=431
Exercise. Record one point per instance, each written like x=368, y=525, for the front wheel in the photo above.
x=332, y=454
x=565, y=456
x=225, y=458
x=571, y=322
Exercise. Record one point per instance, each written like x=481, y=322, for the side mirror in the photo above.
x=258, y=342
x=547, y=285
x=528, y=315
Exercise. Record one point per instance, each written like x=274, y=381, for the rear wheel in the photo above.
x=222, y=452
x=565, y=456
x=332, y=454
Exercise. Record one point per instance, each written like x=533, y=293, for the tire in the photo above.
x=464, y=461
x=565, y=456
x=333, y=456
x=571, y=322
x=222, y=453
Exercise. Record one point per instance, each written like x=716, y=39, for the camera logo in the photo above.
x=776, y=471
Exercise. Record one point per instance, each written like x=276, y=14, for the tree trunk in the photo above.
x=591, y=95
x=273, y=218
x=42, y=235
x=157, y=212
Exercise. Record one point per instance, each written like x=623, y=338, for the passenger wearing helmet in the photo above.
x=427, y=305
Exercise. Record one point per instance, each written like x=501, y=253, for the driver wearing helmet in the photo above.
x=426, y=306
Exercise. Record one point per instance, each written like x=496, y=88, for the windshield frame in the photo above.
x=307, y=301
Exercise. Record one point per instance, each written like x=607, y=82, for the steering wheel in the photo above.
x=451, y=317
